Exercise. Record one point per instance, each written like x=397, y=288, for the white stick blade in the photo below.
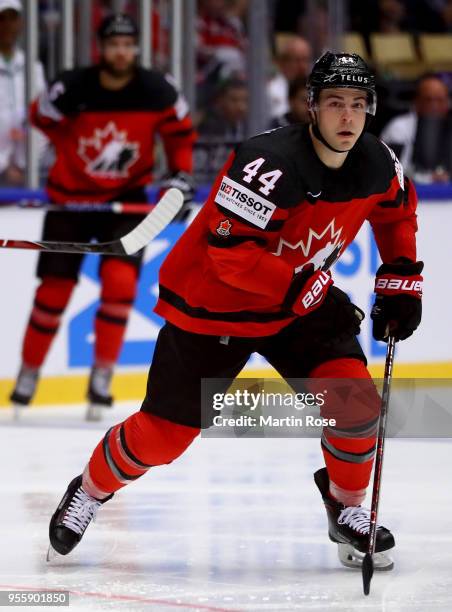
x=156, y=221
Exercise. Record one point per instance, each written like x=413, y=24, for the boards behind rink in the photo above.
x=233, y=525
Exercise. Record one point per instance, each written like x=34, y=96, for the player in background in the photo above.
x=102, y=121
x=251, y=274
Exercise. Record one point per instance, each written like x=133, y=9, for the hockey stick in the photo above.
x=368, y=564
x=133, y=208
x=163, y=213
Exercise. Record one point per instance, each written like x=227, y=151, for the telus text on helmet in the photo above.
x=351, y=78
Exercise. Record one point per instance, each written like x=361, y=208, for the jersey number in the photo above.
x=268, y=179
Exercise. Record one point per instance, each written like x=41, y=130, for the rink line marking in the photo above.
x=137, y=598
x=130, y=386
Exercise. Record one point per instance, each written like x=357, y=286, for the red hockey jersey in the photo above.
x=274, y=209
x=104, y=140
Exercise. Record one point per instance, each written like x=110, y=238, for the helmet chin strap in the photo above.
x=319, y=136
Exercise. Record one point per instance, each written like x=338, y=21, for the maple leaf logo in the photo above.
x=319, y=254
x=108, y=153
x=224, y=228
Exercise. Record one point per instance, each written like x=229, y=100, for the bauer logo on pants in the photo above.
x=244, y=202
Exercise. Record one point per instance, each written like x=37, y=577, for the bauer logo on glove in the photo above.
x=386, y=285
x=398, y=306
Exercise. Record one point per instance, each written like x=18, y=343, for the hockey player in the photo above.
x=102, y=121
x=251, y=275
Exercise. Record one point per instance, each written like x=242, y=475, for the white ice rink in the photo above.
x=232, y=525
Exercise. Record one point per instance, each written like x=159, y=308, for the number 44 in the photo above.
x=268, y=179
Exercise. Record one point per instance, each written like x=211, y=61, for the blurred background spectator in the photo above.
x=227, y=114
x=12, y=94
x=431, y=102
x=223, y=126
x=391, y=16
x=293, y=59
x=221, y=49
x=298, y=105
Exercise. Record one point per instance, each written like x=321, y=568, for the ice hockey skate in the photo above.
x=348, y=526
x=25, y=388
x=98, y=395
x=69, y=522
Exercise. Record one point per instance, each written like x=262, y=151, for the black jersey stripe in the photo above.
x=178, y=133
x=396, y=203
x=224, y=242
x=95, y=195
x=198, y=312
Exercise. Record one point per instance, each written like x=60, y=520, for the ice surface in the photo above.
x=231, y=525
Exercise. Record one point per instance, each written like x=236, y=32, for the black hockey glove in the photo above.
x=397, y=309
x=336, y=320
x=184, y=182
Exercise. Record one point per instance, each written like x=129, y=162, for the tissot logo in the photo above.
x=244, y=202
x=241, y=196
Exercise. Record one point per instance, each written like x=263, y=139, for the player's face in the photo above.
x=234, y=104
x=341, y=114
x=10, y=27
x=119, y=55
x=432, y=98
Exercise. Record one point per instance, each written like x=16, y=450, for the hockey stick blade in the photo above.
x=156, y=221
x=367, y=571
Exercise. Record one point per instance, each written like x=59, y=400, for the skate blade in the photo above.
x=52, y=554
x=351, y=557
x=18, y=409
x=94, y=413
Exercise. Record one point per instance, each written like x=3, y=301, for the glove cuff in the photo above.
x=401, y=269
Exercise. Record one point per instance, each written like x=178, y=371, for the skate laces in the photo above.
x=81, y=511
x=357, y=518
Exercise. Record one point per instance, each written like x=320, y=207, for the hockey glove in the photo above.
x=336, y=320
x=397, y=309
x=307, y=291
x=184, y=182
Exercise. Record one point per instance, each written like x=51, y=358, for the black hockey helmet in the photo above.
x=342, y=70
x=119, y=24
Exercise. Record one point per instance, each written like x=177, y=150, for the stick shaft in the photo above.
x=380, y=444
